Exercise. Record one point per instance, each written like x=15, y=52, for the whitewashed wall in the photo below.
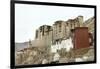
x=67, y=44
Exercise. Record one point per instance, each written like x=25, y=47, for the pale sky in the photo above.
x=28, y=18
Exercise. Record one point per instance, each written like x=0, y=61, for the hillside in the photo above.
x=20, y=46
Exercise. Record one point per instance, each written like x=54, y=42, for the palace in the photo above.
x=60, y=30
x=68, y=40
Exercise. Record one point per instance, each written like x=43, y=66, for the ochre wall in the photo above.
x=81, y=37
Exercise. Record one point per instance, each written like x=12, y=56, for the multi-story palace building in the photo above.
x=60, y=30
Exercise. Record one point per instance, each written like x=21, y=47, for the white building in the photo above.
x=64, y=44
